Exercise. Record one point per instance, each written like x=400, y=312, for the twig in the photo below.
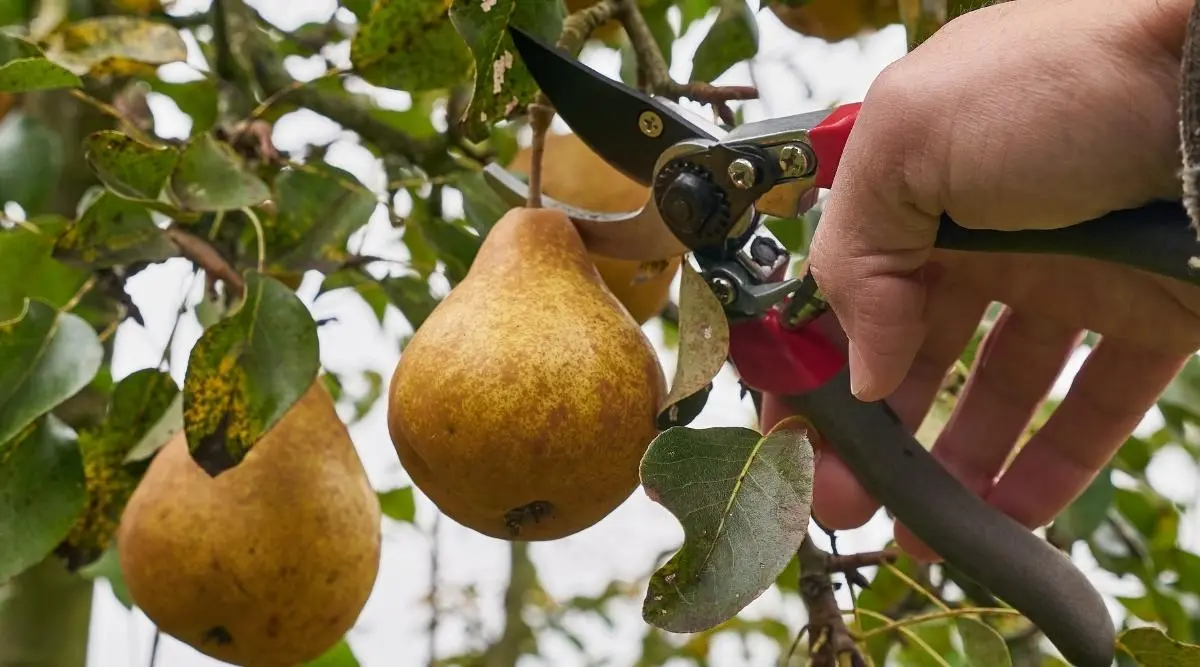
x=205, y=256
x=854, y=562
x=830, y=643
x=657, y=77
x=256, y=48
x=576, y=29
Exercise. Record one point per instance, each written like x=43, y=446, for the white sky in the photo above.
x=391, y=630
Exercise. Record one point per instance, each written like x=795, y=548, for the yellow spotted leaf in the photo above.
x=107, y=45
x=246, y=371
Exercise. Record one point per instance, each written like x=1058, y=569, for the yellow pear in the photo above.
x=269, y=563
x=574, y=174
x=523, y=404
x=836, y=20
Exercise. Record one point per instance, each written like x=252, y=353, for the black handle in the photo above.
x=985, y=544
x=1157, y=238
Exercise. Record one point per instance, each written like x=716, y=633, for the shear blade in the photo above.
x=606, y=115
x=634, y=235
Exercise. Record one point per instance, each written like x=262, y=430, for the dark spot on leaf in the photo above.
x=219, y=635
x=273, y=626
x=211, y=454
x=534, y=511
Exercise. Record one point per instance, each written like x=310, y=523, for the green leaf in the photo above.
x=455, y=246
x=410, y=45
x=113, y=231
x=338, y=656
x=691, y=11
x=503, y=85
x=363, y=284
x=138, y=402
x=1151, y=648
x=983, y=646
x=115, y=45
x=31, y=161
x=318, y=212
x=481, y=205
x=28, y=271
x=211, y=177
x=160, y=432
x=197, y=99
x=743, y=500
x=41, y=494
x=398, y=504
x=27, y=75
x=1088, y=511
x=128, y=167
x=47, y=358
x=792, y=233
x=246, y=372
x=108, y=566
x=14, y=11
x=660, y=28
x=732, y=38
x=360, y=8
x=410, y=294
x=703, y=346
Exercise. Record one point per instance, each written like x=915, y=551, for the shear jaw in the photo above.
x=639, y=235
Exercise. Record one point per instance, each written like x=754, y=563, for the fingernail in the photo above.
x=857, y=370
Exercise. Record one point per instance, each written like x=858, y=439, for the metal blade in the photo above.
x=626, y=127
x=636, y=235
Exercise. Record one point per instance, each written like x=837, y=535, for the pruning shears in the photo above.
x=709, y=188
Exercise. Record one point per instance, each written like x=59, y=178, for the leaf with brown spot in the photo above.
x=410, y=45
x=503, y=85
x=744, y=501
x=210, y=176
x=113, y=231
x=703, y=348
x=319, y=206
x=246, y=371
x=128, y=167
x=106, y=45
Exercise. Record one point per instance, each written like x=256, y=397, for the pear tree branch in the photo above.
x=1189, y=126
x=657, y=76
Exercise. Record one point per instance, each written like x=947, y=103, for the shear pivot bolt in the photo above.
x=793, y=161
x=742, y=173
x=723, y=289
x=650, y=124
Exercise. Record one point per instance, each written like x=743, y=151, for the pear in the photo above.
x=523, y=404
x=269, y=563
x=574, y=174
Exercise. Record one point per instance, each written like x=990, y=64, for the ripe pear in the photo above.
x=574, y=174
x=269, y=563
x=523, y=404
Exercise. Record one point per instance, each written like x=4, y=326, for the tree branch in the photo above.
x=657, y=75
x=206, y=257
x=255, y=46
x=830, y=642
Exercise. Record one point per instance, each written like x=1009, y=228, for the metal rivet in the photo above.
x=723, y=289
x=650, y=124
x=742, y=173
x=793, y=161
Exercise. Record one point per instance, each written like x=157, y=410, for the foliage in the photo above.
x=94, y=196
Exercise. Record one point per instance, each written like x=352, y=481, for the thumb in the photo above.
x=868, y=257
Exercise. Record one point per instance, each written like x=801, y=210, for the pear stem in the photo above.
x=45, y=614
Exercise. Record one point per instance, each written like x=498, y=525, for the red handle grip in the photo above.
x=771, y=358
x=828, y=139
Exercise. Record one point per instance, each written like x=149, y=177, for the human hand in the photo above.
x=1026, y=114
